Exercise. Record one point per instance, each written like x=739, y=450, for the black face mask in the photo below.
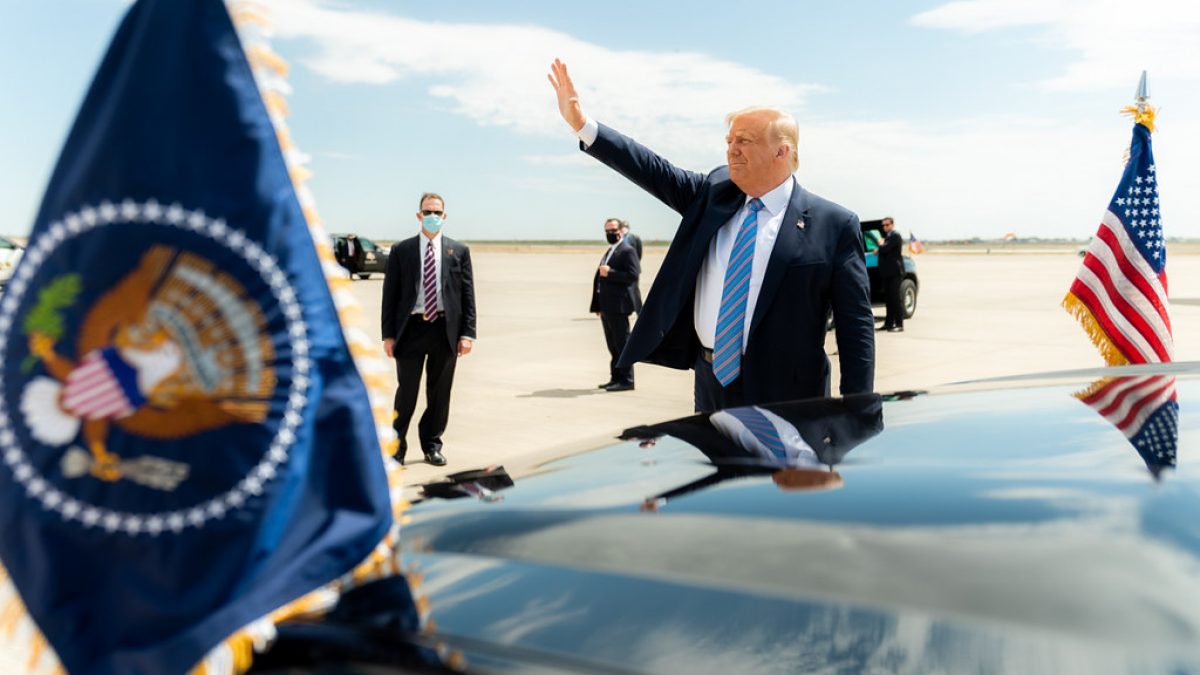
x=612, y=237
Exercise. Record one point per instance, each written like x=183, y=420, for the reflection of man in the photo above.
x=428, y=322
x=614, y=298
x=797, y=443
x=891, y=272
x=756, y=264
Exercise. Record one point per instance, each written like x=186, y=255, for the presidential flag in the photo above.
x=186, y=443
x=1120, y=293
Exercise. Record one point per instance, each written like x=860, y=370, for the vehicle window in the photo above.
x=6, y=244
x=368, y=245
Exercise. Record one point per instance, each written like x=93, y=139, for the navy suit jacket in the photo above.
x=617, y=293
x=812, y=269
x=457, y=289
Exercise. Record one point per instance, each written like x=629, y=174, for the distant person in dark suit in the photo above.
x=891, y=273
x=753, y=270
x=633, y=240
x=614, y=298
x=428, y=321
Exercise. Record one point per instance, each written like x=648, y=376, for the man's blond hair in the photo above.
x=782, y=128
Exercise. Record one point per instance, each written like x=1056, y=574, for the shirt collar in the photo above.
x=776, y=201
x=437, y=239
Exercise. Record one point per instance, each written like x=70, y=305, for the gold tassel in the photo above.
x=1108, y=350
x=1143, y=116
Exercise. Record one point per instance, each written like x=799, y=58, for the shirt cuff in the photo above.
x=464, y=337
x=588, y=132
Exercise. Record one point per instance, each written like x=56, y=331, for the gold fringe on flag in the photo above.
x=235, y=654
x=1076, y=308
x=1143, y=115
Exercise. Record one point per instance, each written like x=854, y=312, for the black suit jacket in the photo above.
x=891, y=256
x=812, y=269
x=634, y=241
x=400, y=283
x=617, y=293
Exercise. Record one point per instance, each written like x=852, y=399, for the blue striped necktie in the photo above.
x=727, y=347
x=762, y=428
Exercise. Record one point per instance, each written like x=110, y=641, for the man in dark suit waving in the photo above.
x=754, y=268
x=614, y=298
x=428, y=322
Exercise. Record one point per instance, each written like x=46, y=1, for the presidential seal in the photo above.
x=156, y=361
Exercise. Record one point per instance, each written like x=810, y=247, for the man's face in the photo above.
x=612, y=227
x=887, y=226
x=753, y=157
x=431, y=206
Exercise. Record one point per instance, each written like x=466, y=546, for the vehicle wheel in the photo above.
x=364, y=275
x=908, y=295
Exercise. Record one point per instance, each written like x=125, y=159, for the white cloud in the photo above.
x=1037, y=174
x=496, y=74
x=1109, y=37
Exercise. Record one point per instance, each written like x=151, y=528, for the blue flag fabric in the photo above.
x=186, y=443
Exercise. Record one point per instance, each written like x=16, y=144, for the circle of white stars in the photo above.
x=1140, y=206
x=253, y=483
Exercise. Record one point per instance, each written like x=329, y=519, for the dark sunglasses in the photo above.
x=427, y=212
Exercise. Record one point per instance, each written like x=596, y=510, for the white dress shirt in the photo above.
x=799, y=453
x=710, y=282
x=607, y=255
x=436, y=243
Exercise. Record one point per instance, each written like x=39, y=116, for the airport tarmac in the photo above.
x=528, y=392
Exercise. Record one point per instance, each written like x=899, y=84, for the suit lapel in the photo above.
x=789, y=239
x=448, y=246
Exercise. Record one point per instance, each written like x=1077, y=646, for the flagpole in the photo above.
x=1141, y=111
x=1142, y=94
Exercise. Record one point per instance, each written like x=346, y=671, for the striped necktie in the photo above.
x=727, y=347
x=762, y=428
x=429, y=281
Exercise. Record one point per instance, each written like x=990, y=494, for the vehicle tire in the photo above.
x=364, y=275
x=908, y=296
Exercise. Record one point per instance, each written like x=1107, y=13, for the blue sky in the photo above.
x=961, y=119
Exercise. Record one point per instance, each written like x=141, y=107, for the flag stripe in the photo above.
x=1119, y=252
x=1132, y=306
x=1103, y=312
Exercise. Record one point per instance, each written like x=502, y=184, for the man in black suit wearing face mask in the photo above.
x=614, y=298
x=428, y=321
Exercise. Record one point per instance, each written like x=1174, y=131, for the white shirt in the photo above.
x=799, y=453
x=426, y=242
x=710, y=282
x=607, y=255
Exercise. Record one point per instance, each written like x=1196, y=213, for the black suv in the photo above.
x=373, y=258
x=872, y=235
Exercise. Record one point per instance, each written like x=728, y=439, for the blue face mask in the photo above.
x=432, y=223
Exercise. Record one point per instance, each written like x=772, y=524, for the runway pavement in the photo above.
x=528, y=390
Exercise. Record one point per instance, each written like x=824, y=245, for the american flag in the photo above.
x=1145, y=410
x=1120, y=299
x=1120, y=293
x=914, y=245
